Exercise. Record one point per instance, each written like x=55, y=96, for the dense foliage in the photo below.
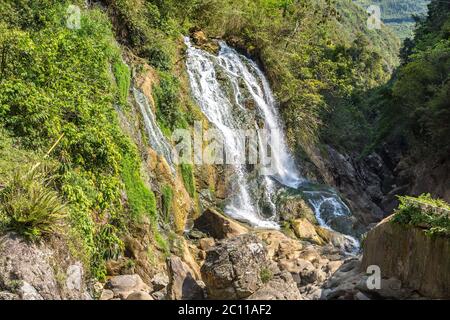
x=433, y=215
x=415, y=105
x=398, y=14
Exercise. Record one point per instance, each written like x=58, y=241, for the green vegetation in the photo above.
x=414, y=106
x=433, y=215
x=167, y=197
x=123, y=78
x=266, y=275
x=398, y=14
x=187, y=174
x=140, y=199
x=29, y=206
x=318, y=56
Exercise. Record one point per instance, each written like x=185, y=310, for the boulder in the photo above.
x=139, y=295
x=122, y=286
x=206, y=243
x=281, y=287
x=107, y=295
x=305, y=230
x=182, y=284
x=218, y=226
x=232, y=269
x=419, y=261
x=201, y=41
x=160, y=281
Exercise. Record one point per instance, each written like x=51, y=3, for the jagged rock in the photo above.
x=160, y=281
x=281, y=287
x=124, y=285
x=182, y=284
x=218, y=226
x=232, y=268
x=419, y=261
x=160, y=295
x=8, y=296
x=28, y=271
x=139, y=295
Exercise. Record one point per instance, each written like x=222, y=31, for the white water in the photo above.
x=224, y=107
x=156, y=138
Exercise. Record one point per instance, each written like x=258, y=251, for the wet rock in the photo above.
x=201, y=41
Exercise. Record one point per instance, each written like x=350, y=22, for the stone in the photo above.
x=28, y=292
x=406, y=253
x=124, y=285
x=139, y=295
x=159, y=295
x=281, y=287
x=206, y=243
x=160, y=281
x=74, y=277
x=361, y=296
x=107, y=295
x=305, y=230
x=182, y=284
x=29, y=270
x=232, y=269
x=218, y=226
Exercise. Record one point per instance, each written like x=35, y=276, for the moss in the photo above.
x=141, y=200
x=123, y=79
x=188, y=179
x=167, y=198
x=266, y=275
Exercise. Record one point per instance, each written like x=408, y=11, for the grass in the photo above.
x=266, y=275
x=140, y=199
x=29, y=206
x=123, y=79
x=188, y=178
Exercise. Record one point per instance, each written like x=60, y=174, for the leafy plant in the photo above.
x=30, y=206
x=433, y=215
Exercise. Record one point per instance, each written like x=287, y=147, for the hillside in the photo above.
x=398, y=14
x=95, y=98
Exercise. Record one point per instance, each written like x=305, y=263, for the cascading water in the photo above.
x=234, y=94
x=156, y=138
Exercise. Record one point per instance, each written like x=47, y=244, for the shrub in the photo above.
x=424, y=212
x=30, y=207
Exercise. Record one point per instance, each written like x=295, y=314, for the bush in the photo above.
x=424, y=212
x=30, y=207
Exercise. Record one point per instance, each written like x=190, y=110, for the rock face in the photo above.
x=182, y=284
x=218, y=226
x=34, y=272
x=238, y=268
x=421, y=262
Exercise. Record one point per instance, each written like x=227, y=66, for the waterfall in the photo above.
x=157, y=141
x=233, y=93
